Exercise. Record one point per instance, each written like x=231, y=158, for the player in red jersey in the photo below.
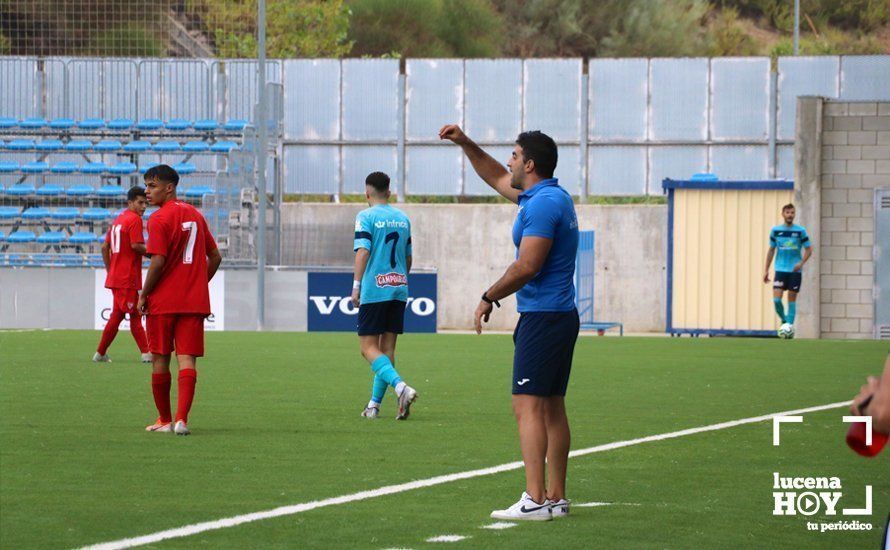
x=122, y=253
x=176, y=296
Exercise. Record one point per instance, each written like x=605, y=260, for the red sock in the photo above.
x=160, y=388
x=138, y=332
x=110, y=331
x=187, y=380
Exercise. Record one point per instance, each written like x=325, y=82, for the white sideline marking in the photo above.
x=447, y=538
x=233, y=521
x=499, y=525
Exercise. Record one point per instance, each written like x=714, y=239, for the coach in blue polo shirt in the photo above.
x=546, y=237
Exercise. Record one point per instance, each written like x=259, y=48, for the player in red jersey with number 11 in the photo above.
x=122, y=253
x=176, y=295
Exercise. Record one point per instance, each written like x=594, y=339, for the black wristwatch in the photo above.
x=488, y=300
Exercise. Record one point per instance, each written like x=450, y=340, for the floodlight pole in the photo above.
x=262, y=150
x=796, y=25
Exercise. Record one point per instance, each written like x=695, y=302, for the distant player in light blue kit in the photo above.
x=380, y=290
x=789, y=239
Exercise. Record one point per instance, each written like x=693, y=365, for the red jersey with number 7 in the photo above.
x=125, y=267
x=179, y=232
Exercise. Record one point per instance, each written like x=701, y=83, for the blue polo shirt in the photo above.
x=546, y=210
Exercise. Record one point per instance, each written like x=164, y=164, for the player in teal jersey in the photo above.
x=789, y=240
x=380, y=290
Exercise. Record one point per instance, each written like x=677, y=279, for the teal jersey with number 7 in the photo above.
x=385, y=231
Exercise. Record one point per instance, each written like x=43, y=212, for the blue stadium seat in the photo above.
x=166, y=146
x=79, y=145
x=51, y=237
x=83, y=237
x=18, y=260
x=93, y=168
x=47, y=260
x=2, y=188
x=20, y=144
x=223, y=146
x=8, y=122
x=184, y=168
x=196, y=147
x=49, y=145
x=61, y=123
x=144, y=168
x=65, y=213
x=235, y=125
x=199, y=191
x=94, y=260
x=138, y=146
x=121, y=169
x=34, y=123
x=50, y=190
x=177, y=124
x=65, y=167
x=206, y=125
x=148, y=212
x=110, y=191
x=21, y=237
x=8, y=166
x=35, y=167
x=9, y=212
x=120, y=124
x=107, y=146
x=36, y=213
x=71, y=260
x=150, y=124
x=2, y=236
x=80, y=190
x=91, y=124
x=96, y=214
x=21, y=190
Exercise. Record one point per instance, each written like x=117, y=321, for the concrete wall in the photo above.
x=848, y=146
x=47, y=297
x=470, y=246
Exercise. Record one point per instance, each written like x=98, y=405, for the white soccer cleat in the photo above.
x=406, y=398
x=101, y=358
x=146, y=358
x=160, y=427
x=525, y=510
x=370, y=412
x=181, y=429
x=559, y=508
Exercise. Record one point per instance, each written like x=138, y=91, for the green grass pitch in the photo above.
x=276, y=422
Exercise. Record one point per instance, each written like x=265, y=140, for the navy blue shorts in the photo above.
x=380, y=317
x=787, y=280
x=544, y=344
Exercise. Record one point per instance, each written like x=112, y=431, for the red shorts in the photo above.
x=125, y=299
x=183, y=332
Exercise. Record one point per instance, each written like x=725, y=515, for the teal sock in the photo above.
x=379, y=390
x=780, y=309
x=383, y=368
x=792, y=311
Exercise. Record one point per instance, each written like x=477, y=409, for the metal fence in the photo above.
x=622, y=124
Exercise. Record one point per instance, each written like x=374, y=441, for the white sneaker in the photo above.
x=180, y=428
x=101, y=358
x=160, y=427
x=406, y=398
x=559, y=508
x=370, y=412
x=525, y=510
x=146, y=358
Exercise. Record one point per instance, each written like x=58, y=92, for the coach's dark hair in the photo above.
x=134, y=192
x=163, y=173
x=787, y=206
x=539, y=147
x=379, y=181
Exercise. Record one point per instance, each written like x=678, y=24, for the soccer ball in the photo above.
x=786, y=331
